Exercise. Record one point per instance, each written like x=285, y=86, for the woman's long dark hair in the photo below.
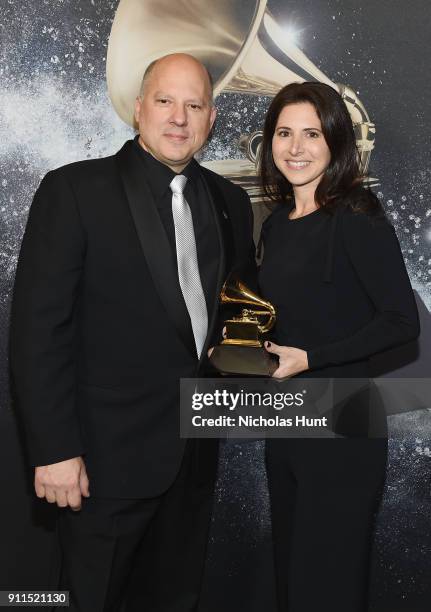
x=342, y=181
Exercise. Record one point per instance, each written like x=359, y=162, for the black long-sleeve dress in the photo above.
x=342, y=293
x=339, y=285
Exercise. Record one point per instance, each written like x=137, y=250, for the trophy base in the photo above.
x=243, y=360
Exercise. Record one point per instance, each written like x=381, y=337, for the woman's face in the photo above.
x=299, y=148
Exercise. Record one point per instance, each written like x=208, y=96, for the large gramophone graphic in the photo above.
x=243, y=47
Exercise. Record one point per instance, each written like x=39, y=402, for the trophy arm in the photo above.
x=270, y=313
x=268, y=325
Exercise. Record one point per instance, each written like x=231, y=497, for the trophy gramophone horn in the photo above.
x=235, y=291
x=241, y=44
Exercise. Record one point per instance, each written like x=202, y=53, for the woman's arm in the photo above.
x=376, y=257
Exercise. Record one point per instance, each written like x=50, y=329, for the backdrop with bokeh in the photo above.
x=57, y=106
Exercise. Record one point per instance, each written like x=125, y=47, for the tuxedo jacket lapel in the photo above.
x=154, y=243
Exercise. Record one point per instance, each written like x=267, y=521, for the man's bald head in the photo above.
x=180, y=59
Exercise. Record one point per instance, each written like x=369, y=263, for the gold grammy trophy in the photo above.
x=246, y=52
x=242, y=350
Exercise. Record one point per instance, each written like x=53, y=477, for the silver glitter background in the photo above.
x=54, y=109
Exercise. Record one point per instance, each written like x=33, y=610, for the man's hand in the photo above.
x=291, y=360
x=62, y=483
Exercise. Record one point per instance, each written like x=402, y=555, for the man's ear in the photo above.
x=138, y=103
x=213, y=116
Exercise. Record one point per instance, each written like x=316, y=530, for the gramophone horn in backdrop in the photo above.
x=241, y=44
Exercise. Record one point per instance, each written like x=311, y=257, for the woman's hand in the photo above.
x=291, y=360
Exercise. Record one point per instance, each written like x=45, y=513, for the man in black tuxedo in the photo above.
x=116, y=299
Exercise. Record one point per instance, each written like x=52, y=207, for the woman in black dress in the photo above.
x=333, y=268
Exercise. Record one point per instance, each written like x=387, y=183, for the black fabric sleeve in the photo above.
x=42, y=325
x=375, y=255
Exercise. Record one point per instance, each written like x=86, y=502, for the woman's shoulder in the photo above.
x=361, y=198
x=364, y=222
x=361, y=208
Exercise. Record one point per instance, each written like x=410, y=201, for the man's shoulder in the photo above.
x=87, y=168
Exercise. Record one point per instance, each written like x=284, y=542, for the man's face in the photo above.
x=175, y=114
